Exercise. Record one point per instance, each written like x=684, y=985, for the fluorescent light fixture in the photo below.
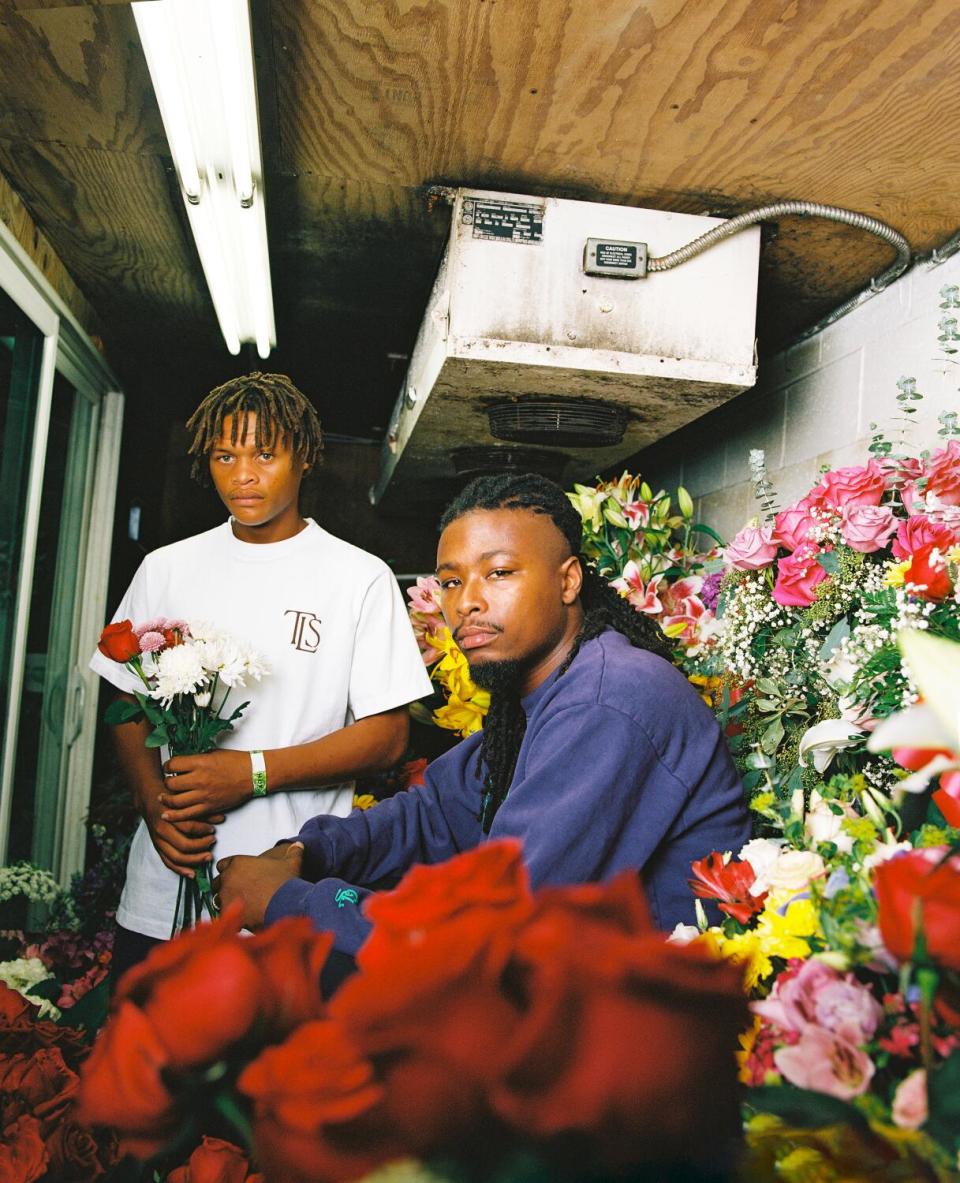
x=200, y=57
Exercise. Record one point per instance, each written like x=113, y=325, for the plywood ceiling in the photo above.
x=690, y=105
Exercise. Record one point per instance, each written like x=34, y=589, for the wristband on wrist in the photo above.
x=258, y=773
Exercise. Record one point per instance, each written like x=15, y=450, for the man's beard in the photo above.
x=499, y=677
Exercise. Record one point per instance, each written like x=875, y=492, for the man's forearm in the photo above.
x=368, y=746
x=140, y=765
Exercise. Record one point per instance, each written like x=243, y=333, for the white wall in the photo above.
x=814, y=403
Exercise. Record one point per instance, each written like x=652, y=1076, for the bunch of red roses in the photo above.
x=483, y=1019
x=41, y=1136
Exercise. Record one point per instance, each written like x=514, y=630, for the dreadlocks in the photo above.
x=280, y=409
x=506, y=723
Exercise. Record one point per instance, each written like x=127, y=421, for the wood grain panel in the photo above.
x=15, y=217
x=111, y=216
x=76, y=75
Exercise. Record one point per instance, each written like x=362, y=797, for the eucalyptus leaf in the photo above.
x=829, y=561
x=770, y=740
x=839, y=632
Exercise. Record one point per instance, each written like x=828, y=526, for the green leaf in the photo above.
x=801, y=1107
x=829, y=561
x=155, y=739
x=701, y=529
x=943, y=1093
x=122, y=711
x=839, y=632
x=770, y=740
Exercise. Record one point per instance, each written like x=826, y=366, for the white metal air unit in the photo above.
x=514, y=315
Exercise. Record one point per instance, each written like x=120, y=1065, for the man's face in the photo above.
x=257, y=485
x=509, y=588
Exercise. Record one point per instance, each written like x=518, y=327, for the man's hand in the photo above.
x=211, y=783
x=256, y=879
x=181, y=845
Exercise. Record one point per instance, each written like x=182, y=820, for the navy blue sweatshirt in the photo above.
x=622, y=765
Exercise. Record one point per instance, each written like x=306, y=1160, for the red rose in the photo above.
x=920, y=531
x=43, y=1084
x=200, y=992
x=75, y=1154
x=913, y=884
x=121, y=1086
x=23, y=1156
x=928, y=574
x=215, y=1161
x=119, y=642
x=21, y=1031
x=489, y=886
x=728, y=883
x=315, y=1104
x=624, y=1055
x=798, y=576
x=289, y=955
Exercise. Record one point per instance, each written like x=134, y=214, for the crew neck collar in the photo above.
x=265, y=552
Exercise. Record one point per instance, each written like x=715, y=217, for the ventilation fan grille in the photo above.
x=570, y=423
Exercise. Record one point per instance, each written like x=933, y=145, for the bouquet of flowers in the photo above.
x=811, y=603
x=849, y=931
x=646, y=550
x=487, y=1026
x=188, y=672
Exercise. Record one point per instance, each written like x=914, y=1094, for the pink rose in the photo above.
x=819, y=996
x=942, y=471
x=919, y=531
x=900, y=470
x=754, y=547
x=910, y=1101
x=798, y=576
x=867, y=528
x=792, y=526
x=848, y=1009
x=851, y=486
x=825, y=1063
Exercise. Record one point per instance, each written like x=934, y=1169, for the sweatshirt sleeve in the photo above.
x=594, y=795
x=427, y=824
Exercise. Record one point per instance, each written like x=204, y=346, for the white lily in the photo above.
x=824, y=740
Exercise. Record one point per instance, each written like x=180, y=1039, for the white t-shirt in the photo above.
x=330, y=622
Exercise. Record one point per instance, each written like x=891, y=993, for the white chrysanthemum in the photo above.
x=230, y=660
x=179, y=671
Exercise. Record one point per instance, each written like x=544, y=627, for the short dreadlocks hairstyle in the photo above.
x=281, y=410
x=506, y=723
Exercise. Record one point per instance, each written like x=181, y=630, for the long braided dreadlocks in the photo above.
x=280, y=408
x=506, y=723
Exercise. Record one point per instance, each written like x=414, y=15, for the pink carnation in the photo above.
x=798, y=576
x=792, y=526
x=856, y=485
x=157, y=625
x=754, y=547
x=825, y=1063
x=867, y=528
x=152, y=641
x=916, y=532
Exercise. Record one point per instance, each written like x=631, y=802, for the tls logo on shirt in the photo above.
x=306, y=630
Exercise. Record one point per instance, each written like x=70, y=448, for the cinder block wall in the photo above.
x=814, y=403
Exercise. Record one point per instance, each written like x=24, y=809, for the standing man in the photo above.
x=596, y=752
x=329, y=620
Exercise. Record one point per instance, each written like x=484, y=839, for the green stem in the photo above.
x=228, y=1108
x=927, y=980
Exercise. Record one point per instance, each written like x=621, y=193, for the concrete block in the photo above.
x=760, y=425
x=794, y=481
x=802, y=358
x=727, y=510
x=927, y=282
x=823, y=408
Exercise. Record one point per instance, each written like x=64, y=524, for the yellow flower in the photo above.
x=708, y=686
x=466, y=703
x=785, y=935
x=364, y=800
x=747, y=1039
x=587, y=502
x=743, y=949
x=897, y=572
x=761, y=802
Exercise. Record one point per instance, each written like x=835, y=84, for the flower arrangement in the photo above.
x=41, y=1137
x=485, y=1022
x=647, y=552
x=849, y=932
x=812, y=601
x=183, y=668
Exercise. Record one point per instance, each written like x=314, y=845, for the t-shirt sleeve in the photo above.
x=387, y=669
x=136, y=606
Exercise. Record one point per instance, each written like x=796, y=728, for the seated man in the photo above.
x=596, y=752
